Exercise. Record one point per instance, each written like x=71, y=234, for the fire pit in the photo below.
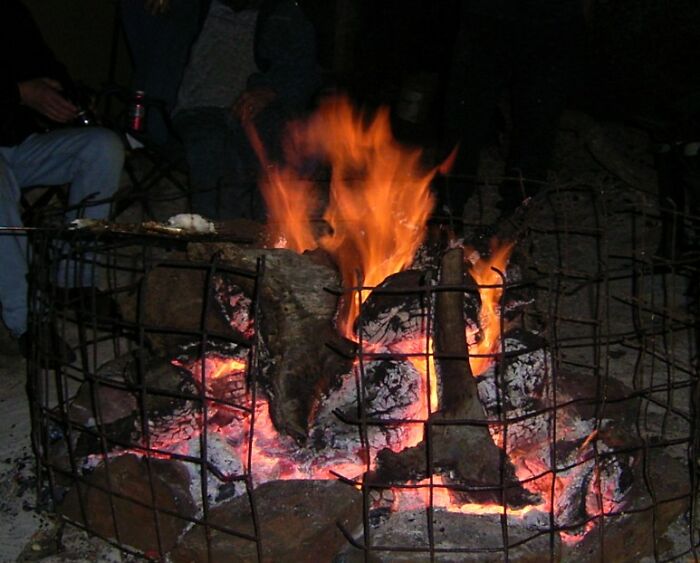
x=526, y=394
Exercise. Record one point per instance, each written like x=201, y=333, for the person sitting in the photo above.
x=254, y=63
x=38, y=146
x=159, y=35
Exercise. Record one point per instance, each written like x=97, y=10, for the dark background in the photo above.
x=640, y=57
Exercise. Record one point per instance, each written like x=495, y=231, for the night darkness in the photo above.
x=639, y=57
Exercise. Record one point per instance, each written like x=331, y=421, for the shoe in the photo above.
x=52, y=351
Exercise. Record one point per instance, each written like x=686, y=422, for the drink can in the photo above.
x=137, y=112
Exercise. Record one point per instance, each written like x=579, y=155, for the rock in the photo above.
x=169, y=304
x=629, y=534
x=298, y=521
x=134, y=506
x=458, y=538
x=106, y=398
x=168, y=388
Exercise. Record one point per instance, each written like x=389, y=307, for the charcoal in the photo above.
x=522, y=387
x=391, y=392
x=395, y=311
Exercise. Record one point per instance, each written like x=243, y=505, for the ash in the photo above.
x=390, y=392
x=520, y=394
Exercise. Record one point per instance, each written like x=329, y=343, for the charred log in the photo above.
x=295, y=328
x=458, y=385
x=457, y=438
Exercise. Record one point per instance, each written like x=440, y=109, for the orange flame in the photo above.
x=379, y=199
x=437, y=494
x=425, y=364
x=488, y=274
x=215, y=367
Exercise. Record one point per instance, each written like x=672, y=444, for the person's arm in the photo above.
x=45, y=96
x=36, y=79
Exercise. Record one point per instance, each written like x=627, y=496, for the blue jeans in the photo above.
x=90, y=159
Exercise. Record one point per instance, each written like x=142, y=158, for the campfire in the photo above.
x=350, y=362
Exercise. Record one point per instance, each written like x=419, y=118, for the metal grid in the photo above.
x=601, y=306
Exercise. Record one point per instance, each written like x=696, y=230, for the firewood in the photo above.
x=457, y=437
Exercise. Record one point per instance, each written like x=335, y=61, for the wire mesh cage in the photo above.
x=530, y=395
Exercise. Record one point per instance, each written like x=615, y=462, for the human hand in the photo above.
x=44, y=95
x=251, y=102
x=156, y=7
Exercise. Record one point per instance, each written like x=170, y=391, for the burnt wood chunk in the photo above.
x=458, y=438
x=299, y=343
x=458, y=384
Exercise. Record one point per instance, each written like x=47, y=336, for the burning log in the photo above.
x=458, y=437
x=458, y=386
x=294, y=327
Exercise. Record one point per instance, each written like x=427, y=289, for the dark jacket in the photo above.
x=285, y=52
x=24, y=55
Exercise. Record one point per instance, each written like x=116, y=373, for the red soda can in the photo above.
x=137, y=111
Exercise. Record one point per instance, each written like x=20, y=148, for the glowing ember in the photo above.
x=437, y=492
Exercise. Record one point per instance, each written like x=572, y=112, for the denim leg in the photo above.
x=224, y=169
x=90, y=159
x=13, y=249
x=477, y=83
x=269, y=125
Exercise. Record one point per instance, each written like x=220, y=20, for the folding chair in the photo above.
x=40, y=202
x=147, y=164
